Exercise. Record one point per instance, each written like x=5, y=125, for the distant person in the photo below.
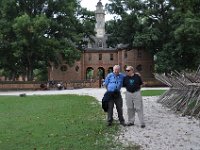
x=102, y=83
x=132, y=83
x=113, y=83
x=60, y=86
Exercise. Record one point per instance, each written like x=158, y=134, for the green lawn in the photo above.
x=152, y=92
x=59, y=122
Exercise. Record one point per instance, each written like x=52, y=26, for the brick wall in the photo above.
x=90, y=59
x=37, y=86
x=19, y=86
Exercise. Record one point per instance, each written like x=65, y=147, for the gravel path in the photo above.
x=164, y=129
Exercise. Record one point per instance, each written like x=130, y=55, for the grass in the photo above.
x=152, y=92
x=59, y=122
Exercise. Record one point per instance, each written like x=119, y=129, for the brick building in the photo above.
x=97, y=59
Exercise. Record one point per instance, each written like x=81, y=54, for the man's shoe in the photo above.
x=130, y=124
x=143, y=126
x=122, y=123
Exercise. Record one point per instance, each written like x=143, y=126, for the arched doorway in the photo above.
x=89, y=73
x=101, y=75
x=110, y=69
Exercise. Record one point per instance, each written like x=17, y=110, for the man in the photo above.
x=113, y=83
x=132, y=83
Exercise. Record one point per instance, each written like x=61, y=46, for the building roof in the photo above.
x=101, y=49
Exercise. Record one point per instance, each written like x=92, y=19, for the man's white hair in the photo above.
x=116, y=66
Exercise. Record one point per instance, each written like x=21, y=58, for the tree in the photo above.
x=168, y=29
x=124, y=27
x=37, y=32
x=184, y=49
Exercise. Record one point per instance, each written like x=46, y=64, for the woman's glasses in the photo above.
x=128, y=70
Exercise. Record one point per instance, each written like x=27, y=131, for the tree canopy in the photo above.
x=35, y=33
x=169, y=29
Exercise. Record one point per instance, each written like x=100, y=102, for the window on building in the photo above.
x=125, y=54
x=63, y=68
x=100, y=56
x=139, y=53
x=125, y=67
x=111, y=57
x=77, y=68
x=90, y=57
x=100, y=44
x=139, y=68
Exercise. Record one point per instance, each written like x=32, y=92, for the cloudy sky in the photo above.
x=91, y=5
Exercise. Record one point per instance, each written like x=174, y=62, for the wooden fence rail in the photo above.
x=184, y=93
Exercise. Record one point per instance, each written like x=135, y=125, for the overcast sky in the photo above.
x=91, y=5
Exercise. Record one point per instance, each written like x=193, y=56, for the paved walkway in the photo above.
x=85, y=91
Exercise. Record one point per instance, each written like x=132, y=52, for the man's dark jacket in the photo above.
x=105, y=99
x=108, y=96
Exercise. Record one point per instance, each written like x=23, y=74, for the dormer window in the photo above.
x=100, y=44
x=111, y=56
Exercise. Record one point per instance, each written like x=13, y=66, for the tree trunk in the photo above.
x=30, y=74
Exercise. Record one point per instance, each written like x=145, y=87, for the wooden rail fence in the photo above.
x=184, y=93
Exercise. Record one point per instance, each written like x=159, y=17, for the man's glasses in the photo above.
x=128, y=70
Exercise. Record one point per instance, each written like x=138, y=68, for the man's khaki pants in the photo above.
x=134, y=104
